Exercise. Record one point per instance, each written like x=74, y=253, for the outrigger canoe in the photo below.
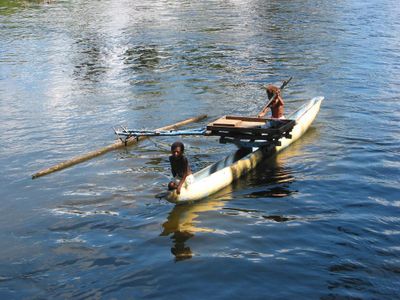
x=222, y=173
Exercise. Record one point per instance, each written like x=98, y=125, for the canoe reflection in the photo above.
x=274, y=179
x=182, y=223
x=180, y=251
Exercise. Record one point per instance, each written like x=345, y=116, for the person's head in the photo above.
x=177, y=149
x=269, y=92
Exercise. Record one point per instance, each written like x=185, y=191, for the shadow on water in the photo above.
x=273, y=177
x=142, y=57
x=90, y=58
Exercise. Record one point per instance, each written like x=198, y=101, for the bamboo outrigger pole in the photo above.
x=117, y=145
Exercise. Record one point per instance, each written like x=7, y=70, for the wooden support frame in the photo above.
x=250, y=130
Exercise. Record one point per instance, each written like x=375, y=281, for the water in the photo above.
x=319, y=221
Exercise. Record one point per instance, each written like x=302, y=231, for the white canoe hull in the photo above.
x=222, y=173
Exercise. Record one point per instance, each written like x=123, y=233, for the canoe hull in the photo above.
x=219, y=175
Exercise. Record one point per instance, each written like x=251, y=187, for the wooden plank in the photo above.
x=237, y=121
x=246, y=119
x=227, y=123
x=257, y=131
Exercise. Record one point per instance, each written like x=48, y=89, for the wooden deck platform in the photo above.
x=249, y=131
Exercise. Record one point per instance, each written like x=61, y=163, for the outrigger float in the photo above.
x=257, y=139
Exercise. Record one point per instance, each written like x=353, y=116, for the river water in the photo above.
x=321, y=220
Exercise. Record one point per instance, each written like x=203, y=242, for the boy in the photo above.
x=179, y=167
x=276, y=105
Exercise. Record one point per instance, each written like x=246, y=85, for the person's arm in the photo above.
x=276, y=94
x=279, y=100
x=263, y=112
x=185, y=174
x=265, y=109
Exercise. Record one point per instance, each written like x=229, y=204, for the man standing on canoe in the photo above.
x=179, y=167
x=275, y=103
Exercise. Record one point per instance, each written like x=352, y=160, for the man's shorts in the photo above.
x=273, y=123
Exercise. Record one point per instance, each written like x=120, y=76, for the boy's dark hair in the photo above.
x=270, y=94
x=176, y=145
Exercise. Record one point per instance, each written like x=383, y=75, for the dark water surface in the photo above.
x=319, y=221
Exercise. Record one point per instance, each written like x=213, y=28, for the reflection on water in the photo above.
x=183, y=223
x=272, y=192
x=274, y=179
x=11, y=6
x=90, y=60
x=179, y=250
x=279, y=218
x=142, y=57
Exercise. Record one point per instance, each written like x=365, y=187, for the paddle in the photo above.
x=285, y=83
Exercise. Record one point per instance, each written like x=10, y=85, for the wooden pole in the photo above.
x=117, y=145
